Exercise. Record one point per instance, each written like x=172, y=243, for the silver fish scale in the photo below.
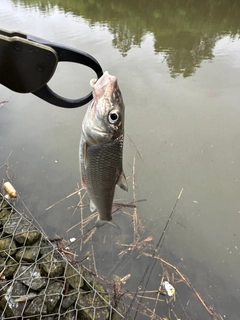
x=103, y=168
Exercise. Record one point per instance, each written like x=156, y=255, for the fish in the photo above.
x=101, y=147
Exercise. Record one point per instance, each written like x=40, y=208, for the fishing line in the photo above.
x=152, y=261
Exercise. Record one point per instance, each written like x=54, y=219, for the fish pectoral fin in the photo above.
x=100, y=223
x=122, y=182
x=83, y=183
x=92, y=206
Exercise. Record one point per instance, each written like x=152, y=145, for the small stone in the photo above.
x=2, y=262
x=31, y=277
x=54, y=293
x=87, y=314
x=90, y=314
x=11, y=267
x=7, y=247
x=11, y=224
x=45, y=247
x=36, y=307
x=26, y=233
x=90, y=283
x=94, y=300
x=99, y=301
x=74, y=277
x=71, y=314
x=70, y=298
x=102, y=314
x=4, y=204
x=28, y=254
x=7, y=302
x=4, y=215
x=51, y=265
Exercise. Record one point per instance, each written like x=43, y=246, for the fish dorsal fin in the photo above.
x=122, y=182
x=92, y=206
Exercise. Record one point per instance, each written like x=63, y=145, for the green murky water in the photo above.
x=178, y=66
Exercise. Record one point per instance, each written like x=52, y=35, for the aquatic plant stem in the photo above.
x=152, y=261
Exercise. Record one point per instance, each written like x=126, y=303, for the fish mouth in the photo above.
x=104, y=86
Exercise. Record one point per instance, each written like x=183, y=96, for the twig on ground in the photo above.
x=70, y=195
x=90, y=235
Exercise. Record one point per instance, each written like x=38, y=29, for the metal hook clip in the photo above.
x=27, y=63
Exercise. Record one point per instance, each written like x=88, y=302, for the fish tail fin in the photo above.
x=100, y=223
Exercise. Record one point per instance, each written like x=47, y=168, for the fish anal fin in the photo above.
x=122, y=182
x=92, y=206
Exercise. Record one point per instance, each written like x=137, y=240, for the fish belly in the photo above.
x=100, y=173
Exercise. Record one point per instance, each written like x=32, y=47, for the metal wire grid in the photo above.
x=38, y=282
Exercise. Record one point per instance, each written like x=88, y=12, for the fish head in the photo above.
x=104, y=120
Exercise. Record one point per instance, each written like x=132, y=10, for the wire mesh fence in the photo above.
x=38, y=282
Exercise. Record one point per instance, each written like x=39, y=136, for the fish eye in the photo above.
x=113, y=117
